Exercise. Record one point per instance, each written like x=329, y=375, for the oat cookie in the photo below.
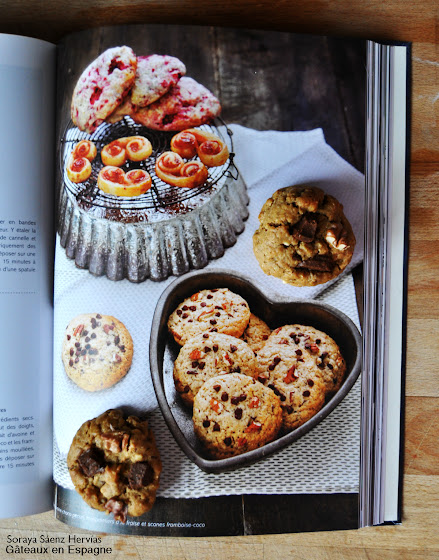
x=115, y=465
x=102, y=87
x=155, y=75
x=97, y=351
x=207, y=355
x=234, y=414
x=256, y=333
x=185, y=105
x=303, y=237
x=217, y=310
x=303, y=366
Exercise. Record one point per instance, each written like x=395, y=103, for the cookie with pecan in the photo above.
x=207, y=355
x=304, y=237
x=114, y=464
x=256, y=333
x=215, y=310
x=234, y=414
x=97, y=351
x=303, y=366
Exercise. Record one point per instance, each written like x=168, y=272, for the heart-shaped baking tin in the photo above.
x=275, y=312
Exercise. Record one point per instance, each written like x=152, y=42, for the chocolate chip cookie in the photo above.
x=207, y=355
x=115, y=465
x=216, y=310
x=303, y=237
x=97, y=351
x=303, y=366
x=256, y=333
x=234, y=414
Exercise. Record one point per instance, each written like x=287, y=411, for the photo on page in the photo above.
x=208, y=280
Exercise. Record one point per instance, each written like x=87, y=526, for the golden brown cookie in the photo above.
x=303, y=237
x=97, y=351
x=207, y=355
x=234, y=414
x=216, y=310
x=302, y=365
x=256, y=333
x=115, y=465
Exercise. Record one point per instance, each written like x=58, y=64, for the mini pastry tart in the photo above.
x=85, y=149
x=211, y=150
x=79, y=169
x=171, y=169
x=113, y=180
x=134, y=148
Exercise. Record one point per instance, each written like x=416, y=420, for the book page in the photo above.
x=27, y=71
x=141, y=241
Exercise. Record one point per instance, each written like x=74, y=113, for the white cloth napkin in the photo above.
x=267, y=160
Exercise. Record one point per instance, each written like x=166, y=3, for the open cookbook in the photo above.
x=203, y=258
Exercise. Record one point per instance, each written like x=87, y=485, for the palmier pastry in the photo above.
x=86, y=149
x=211, y=150
x=134, y=148
x=171, y=169
x=113, y=180
x=113, y=154
x=79, y=169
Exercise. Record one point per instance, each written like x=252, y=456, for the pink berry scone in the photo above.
x=102, y=87
x=185, y=105
x=155, y=75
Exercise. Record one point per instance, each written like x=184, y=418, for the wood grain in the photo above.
x=417, y=537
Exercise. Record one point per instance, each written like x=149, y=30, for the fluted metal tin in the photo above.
x=167, y=231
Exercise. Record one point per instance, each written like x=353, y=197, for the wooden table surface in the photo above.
x=417, y=536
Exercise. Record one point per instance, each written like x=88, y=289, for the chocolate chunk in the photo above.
x=115, y=442
x=320, y=263
x=238, y=413
x=140, y=475
x=228, y=441
x=118, y=508
x=305, y=230
x=91, y=461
